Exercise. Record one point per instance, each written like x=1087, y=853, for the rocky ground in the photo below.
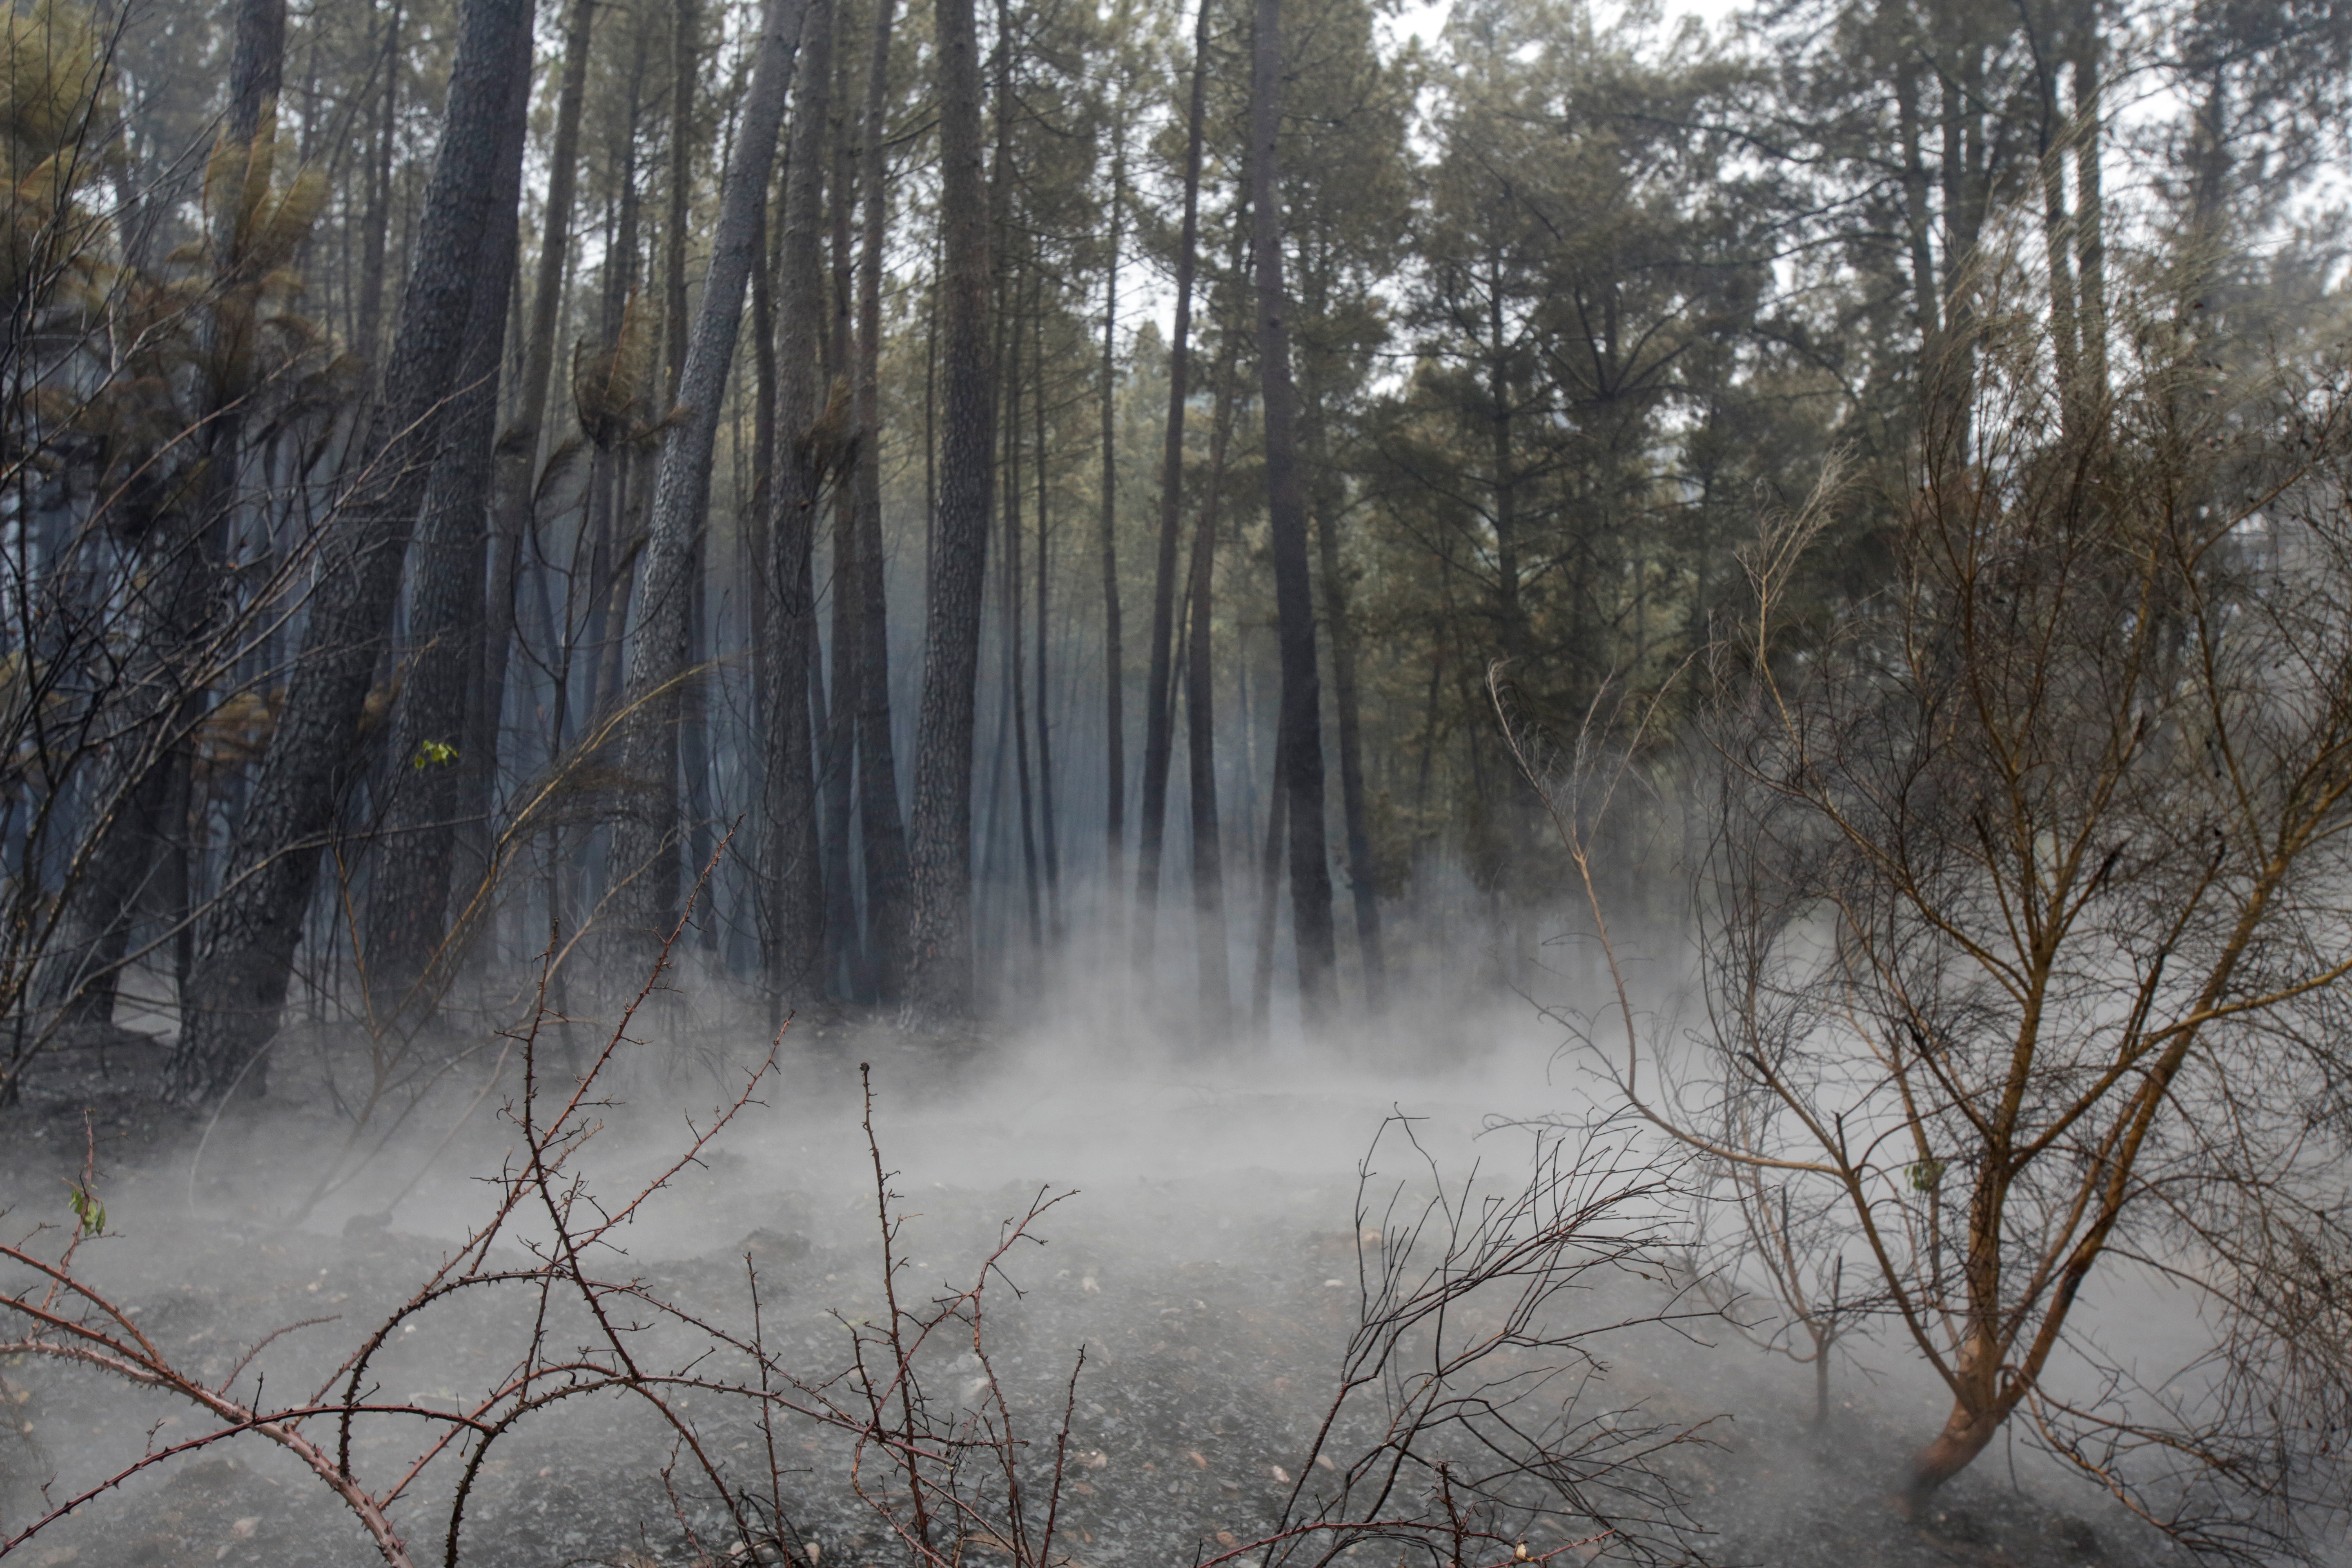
x=1212, y=1301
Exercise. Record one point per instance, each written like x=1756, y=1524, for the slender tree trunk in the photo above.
x=1269, y=891
x=2058, y=234
x=146, y=769
x=877, y=780
x=758, y=529
x=794, y=876
x=379, y=208
x=1363, y=886
x=644, y=842
x=1046, y=830
x=250, y=930
x=1302, y=723
x=1114, y=654
x=939, y=847
x=2090, y=207
x=845, y=951
x=409, y=960
x=1201, y=736
x=1157, y=741
x=684, y=55
x=693, y=698
x=516, y=464
x=1013, y=625
x=1918, y=223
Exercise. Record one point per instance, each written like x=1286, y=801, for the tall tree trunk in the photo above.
x=1012, y=626
x=643, y=832
x=379, y=209
x=516, y=464
x=251, y=929
x=146, y=770
x=693, y=700
x=939, y=849
x=409, y=960
x=684, y=57
x=845, y=951
x=1269, y=892
x=1157, y=729
x=2090, y=207
x=883, y=830
x=1046, y=830
x=758, y=539
x=1200, y=735
x=1285, y=501
x=793, y=876
x=1114, y=654
x=1362, y=887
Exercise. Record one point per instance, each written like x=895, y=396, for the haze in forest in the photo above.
x=1631, y=725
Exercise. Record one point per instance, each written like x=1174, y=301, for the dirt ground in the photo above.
x=1212, y=1305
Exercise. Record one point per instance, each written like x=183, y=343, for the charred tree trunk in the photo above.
x=249, y=933
x=1362, y=883
x=1301, y=747
x=1269, y=891
x=516, y=466
x=1157, y=741
x=846, y=952
x=148, y=769
x=1046, y=831
x=644, y=833
x=884, y=833
x=1114, y=653
x=379, y=209
x=693, y=703
x=794, y=876
x=1201, y=736
x=1012, y=626
x=686, y=17
x=408, y=957
x=940, y=858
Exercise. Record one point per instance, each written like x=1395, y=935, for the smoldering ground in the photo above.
x=1226, y=1230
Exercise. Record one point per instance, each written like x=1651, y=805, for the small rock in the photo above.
x=766, y=1246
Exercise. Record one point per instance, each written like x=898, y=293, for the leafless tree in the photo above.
x=2023, y=907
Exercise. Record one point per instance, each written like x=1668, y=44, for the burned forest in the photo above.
x=1094, y=783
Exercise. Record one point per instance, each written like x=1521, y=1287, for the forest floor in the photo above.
x=1212, y=1301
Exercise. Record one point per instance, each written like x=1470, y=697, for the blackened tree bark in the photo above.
x=845, y=951
x=1013, y=625
x=1301, y=747
x=408, y=961
x=794, y=872
x=1114, y=655
x=147, y=768
x=882, y=828
x=644, y=828
x=939, y=852
x=515, y=466
x=1047, y=829
x=685, y=57
x=1330, y=503
x=1269, y=892
x=1158, y=727
x=249, y=933
x=693, y=705
x=376, y=241
x=1201, y=733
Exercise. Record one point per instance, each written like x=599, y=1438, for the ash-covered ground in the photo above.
x=1207, y=1262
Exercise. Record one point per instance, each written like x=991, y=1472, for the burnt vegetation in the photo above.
x=559, y=563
